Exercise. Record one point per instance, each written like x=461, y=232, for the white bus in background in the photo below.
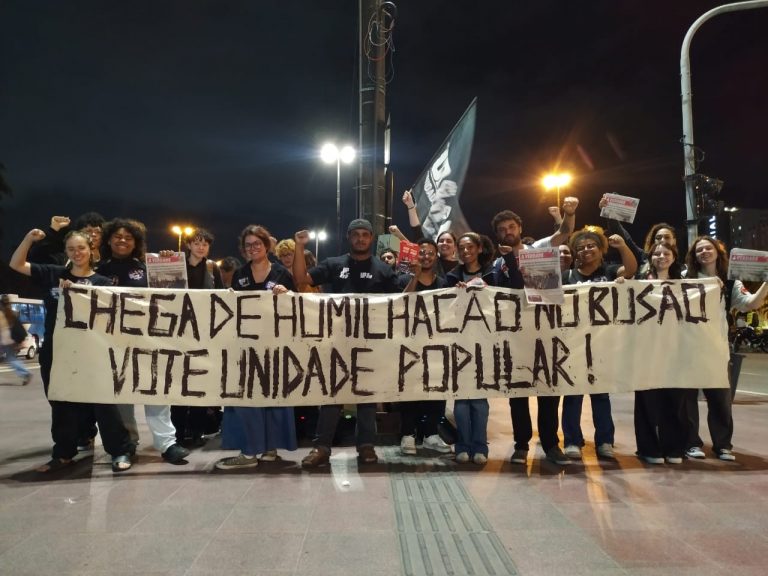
x=32, y=315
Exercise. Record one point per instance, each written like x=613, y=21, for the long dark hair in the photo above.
x=485, y=256
x=675, y=269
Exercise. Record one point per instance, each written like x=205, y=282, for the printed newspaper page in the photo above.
x=749, y=265
x=621, y=208
x=167, y=271
x=542, y=278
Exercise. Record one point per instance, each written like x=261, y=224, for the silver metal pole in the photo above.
x=338, y=203
x=689, y=152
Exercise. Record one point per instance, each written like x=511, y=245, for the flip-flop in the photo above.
x=121, y=463
x=54, y=465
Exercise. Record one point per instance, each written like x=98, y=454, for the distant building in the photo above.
x=748, y=229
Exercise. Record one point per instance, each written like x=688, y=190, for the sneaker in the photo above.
x=26, y=379
x=519, y=457
x=240, y=461
x=317, y=457
x=367, y=455
x=651, y=459
x=573, y=452
x=726, y=455
x=480, y=459
x=556, y=456
x=462, y=457
x=408, y=445
x=436, y=443
x=269, y=456
x=695, y=452
x=175, y=454
x=674, y=459
x=86, y=446
x=605, y=451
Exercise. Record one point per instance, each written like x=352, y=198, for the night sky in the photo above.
x=211, y=113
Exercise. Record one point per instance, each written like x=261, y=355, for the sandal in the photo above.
x=121, y=463
x=53, y=465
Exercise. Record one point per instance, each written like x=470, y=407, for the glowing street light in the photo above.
x=317, y=237
x=556, y=181
x=179, y=231
x=329, y=154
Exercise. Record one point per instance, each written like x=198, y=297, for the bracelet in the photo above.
x=411, y=207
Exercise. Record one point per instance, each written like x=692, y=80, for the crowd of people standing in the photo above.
x=92, y=251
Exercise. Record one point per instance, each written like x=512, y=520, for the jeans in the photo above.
x=329, y=418
x=472, y=426
x=158, y=421
x=16, y=364
x=601, y=418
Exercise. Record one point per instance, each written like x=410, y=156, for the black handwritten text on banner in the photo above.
x=206, y=348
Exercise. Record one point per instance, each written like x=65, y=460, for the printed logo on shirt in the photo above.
x=243, y=282
x=366, y=275
x=136, y=274
x=269, y=285
x=344, y=273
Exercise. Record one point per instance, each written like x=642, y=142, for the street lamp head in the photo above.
x=348, y=154
x=176, y=230
x=329, y=153
x=188, y=231
x=551, y=181
x=322, y=235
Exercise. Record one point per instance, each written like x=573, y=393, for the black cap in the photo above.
x=359, y=223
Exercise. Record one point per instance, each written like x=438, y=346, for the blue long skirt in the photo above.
x=257, y=430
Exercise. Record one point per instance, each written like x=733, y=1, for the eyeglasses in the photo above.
x=586, y=247
x=252, y=245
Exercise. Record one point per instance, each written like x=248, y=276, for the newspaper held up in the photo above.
x=621, y=208
x=749, y=265
x=167, y=271
x=542, y=278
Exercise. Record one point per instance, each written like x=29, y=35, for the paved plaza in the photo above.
x=406, y=515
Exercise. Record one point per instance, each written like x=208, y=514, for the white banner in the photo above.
x=215, y=347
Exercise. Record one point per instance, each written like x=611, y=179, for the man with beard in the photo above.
x=508, y=228
x=359, y=273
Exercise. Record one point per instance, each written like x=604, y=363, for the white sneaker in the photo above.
x=480, y=459
x=408, y=445
x=695, y=452
x=269, y=456
x=573, y=451
x=605, y=451
x=462, y=457
x=436, y=443
x=651, y=459
x=674, y=459
x=726, y=455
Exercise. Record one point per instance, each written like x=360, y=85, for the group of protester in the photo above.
x=666, y=419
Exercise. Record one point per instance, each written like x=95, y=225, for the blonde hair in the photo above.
x=284, y=247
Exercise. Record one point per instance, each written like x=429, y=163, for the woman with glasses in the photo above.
x=589, y=246
x=262, y=430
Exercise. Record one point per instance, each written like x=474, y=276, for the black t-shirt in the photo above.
x=405, y=279
x=128, y=272
x=605, y=273
x=345, y=275
x=48, y=277
x=198, y=275
x=242, y=279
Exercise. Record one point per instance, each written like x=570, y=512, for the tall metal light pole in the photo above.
x=689, y=151
x=330, y=153
x=557, y=181
x=178, y=230
x=317, y=237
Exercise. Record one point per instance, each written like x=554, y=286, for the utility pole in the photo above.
x=689, y=151
x=373, y=43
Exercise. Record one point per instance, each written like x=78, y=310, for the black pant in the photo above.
x=660, y=424
x=66, y=418
x=546, y=421
x=420, y=418
x=188, y=421
x=719, y=417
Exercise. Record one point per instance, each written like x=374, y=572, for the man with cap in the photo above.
x=356, y=272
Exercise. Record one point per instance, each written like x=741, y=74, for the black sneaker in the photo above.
x=175, y=454
x=556, y=456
